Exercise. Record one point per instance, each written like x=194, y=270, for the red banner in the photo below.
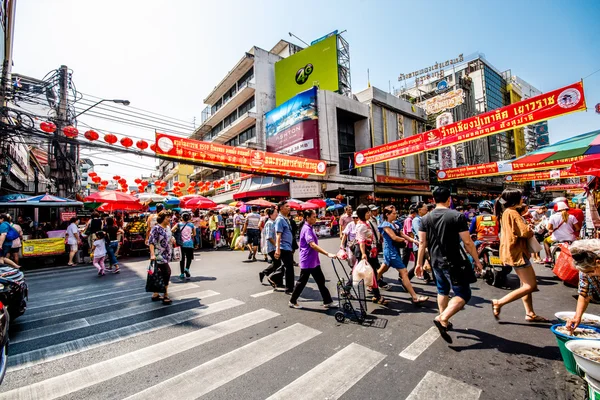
x=249, y=159
x=543, y=107
x=542, y=176
x=560, y=188
x=502, y=168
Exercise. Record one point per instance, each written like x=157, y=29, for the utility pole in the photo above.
x=64, y=157
x=11, y=7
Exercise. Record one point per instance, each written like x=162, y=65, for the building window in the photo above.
x=243, y=81
x=230, y=93
x=229, y=119
x=216, y=106
x=346, y=143
x=216, y=129
x=243, y=137
x=247, y=106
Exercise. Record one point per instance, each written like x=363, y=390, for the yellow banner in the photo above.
x=43, y=247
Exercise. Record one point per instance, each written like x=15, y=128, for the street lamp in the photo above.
x=124, y=102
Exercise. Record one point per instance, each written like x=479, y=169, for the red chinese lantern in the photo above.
x=96, y=179
x=116, y=177
x=222, y=182
x=110, y=138
x=70, y=131
x=153, y=147
x=145, y=183
x=193, y=184
x=48, y=127
x=141, y=144
x=141, y=188
x=92, y=174
x=157, y=183
x=340, y=197
x=126, y=142
x=104, y=182
x=101, y=187
x=122, y=181
x=91, y=135
x=230, y=181
x=137, y=180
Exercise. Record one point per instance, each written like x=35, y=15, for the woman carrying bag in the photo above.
x=514, y=252
x=161, y=247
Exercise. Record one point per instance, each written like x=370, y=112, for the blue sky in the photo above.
x=167, y=56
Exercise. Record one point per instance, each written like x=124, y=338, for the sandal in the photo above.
x=495, y=309
x=382, y=301
x=167, y=300
x=156, y=298
x=443, y=330
x=535, y=318
x=420, y=299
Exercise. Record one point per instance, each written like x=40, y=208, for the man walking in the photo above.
x=283, y=248
x=252, y=229
x=345, y=219
x=441, y=232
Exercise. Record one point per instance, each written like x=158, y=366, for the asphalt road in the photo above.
x=226, y=336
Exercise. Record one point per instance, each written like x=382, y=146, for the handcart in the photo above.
x=351, y=296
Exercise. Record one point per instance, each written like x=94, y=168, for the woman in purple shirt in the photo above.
x=309, y=262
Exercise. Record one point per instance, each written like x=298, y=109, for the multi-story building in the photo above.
x=86, y=165
x=171, y=171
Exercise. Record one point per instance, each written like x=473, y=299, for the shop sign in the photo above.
x=443, y=102
x=441, y=86
x=541, y=176
x=240, y=157
x=67, y=215
x=305, y=189
x=434, y=71
x=560, y=188
x=43, y=247
x=543, y=107
x=404, y=183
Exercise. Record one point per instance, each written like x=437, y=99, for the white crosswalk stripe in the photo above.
x=85, y=377
x=342, y=370
x=114, y=299
x=416, y=348
x=54, y=352
x=439, y=387
x=106, y=315
x=221, y=370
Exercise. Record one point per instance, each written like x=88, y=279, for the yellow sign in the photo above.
x=43, y=247
x=519, y=133
x=316, y=65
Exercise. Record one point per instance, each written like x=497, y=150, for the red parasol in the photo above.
x=309, y=206
x=294, y=205
x=108, y=207
x=112, y=196
x=321, y=203
x=588, y=166
x=260, y=203
x=199, y=202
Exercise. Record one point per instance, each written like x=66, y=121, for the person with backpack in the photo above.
x=7, y=235
x=184, y=233
x=16, y=245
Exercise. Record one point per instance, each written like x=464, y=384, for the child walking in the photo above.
x=99, y=250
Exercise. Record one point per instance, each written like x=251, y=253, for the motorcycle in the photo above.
x=13, y=291
x=494, y=272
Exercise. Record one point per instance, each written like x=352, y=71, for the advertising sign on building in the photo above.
x=293, y=128
x=447, y=155
x=543, y=107
x=316, y=65
x=305, y=189
x=443, y=102
x=240, y=157
x=541, y=176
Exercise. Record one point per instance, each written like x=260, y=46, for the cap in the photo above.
x=373, y=207
x=562, y=206
x=354, y=215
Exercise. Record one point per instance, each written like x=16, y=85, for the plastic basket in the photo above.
x=567, y=356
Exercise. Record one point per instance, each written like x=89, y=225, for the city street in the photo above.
x=228, y=336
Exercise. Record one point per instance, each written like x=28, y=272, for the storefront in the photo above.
x=269, y=188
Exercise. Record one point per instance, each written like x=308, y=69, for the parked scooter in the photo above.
x=494, y=272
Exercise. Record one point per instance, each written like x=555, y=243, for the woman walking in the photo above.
x=161, y=246
x=99, y=251
x=112, y=237
x=392, y=238
x=366, y=249
x=310, y=264
x=186, y=231
x=562, y=226
x=514, y=253
x=73, y=239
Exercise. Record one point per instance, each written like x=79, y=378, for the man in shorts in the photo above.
x=441, y=232
x=252, y=229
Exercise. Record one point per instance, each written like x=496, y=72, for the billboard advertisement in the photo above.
x=316, y=65
x=293, y=127
x=239, y=157
x=553, y=104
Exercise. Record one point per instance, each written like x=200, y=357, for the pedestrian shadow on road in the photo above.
x=488, y=341
x=178, y=281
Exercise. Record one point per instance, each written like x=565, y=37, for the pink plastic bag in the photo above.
x=342, y=255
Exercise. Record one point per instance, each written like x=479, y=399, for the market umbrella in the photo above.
x=199, y=202
x=589, y=166
x=150, y=198
x=171, y=202
x=335, y=207
x=236, y=203
x=320, y=202
x=586, y=144
x=260, y=203
x=44, y=200
x=116, y=206
x=309, y=206
x=112, y=197
x=92, y=205
x=294, y=205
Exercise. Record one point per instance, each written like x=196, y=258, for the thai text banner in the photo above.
x=241, y=157
x=543, y=107
x=542, y=176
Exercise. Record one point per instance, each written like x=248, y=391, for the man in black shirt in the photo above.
x=441, y=232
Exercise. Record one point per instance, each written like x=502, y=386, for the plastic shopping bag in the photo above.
x=176, y=254
x=342, y=255
x=363, y=271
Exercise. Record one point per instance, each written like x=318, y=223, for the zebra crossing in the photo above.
x=52, y=345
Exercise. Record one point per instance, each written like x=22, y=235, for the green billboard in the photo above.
x=316, y=65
